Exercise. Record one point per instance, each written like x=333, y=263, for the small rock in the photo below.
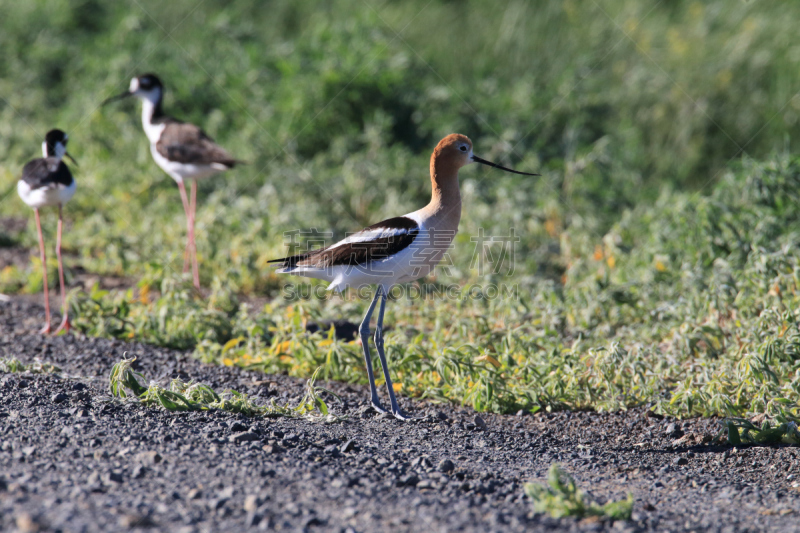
x=272, y=448
x=218, y=503
x=333, y=450
x=244, y=436
x=425, y=484
x=194, y=494
x=238, y=427
x=673, y=431
x=100, y=454
x=27, y=524
x=253, y=519
x=479, y=422
x=681, y=461
x=138, y=472
x=251, y=503
x=27, y=451
x=445, y=465
x=115, y=476
x=657, y=485
x=348, y=446
x=60, y=397
x=421, y=462
x=78, y=387
x=410, y=480
x=148, y=458
x=131, y=521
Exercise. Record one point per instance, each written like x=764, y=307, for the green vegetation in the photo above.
x=182, y=396
x=739, y=431
x=562, y=498
x=656, y=260
x=9, y=365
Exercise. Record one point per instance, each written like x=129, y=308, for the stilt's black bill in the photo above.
x=71, y=158
x=495, y=165
x=117, y=97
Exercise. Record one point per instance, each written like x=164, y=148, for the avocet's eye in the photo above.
x=462, y=148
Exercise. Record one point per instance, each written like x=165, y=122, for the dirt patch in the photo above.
x=73, y=459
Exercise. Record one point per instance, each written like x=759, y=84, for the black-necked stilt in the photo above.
x=397, y=250
x=47, y=181
x=182, y=150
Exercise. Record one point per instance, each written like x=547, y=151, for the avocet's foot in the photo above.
x=46, y=330
x=402, y=415
x=65, y=326
x=378, y=407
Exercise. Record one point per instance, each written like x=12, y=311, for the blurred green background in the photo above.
x=337, y=105
x=657, y=258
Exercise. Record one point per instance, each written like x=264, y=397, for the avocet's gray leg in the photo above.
x=364, y=334
x=396, y=411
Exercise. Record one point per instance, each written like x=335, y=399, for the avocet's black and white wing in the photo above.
x=377, y=253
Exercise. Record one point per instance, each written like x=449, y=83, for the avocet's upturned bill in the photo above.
x=47, y=181
x=183, y=151
x=396, y=250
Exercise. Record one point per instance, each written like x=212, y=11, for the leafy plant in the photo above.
x=561, y=497
x=189, y=396
x=12, y=364
x=741, y=431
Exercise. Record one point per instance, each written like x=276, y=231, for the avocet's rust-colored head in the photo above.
x=454, y=152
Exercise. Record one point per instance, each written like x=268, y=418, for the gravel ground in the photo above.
x=71, y=459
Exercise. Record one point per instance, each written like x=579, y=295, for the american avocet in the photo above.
x=182, y=150
x=397, y=250
x=47, y=181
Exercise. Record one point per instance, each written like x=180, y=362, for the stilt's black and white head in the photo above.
x=55, y=145
x=145, y=87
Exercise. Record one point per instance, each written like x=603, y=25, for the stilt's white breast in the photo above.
x=45, y=196
x=184, y=171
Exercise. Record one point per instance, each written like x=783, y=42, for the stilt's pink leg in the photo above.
x=46, y=328
x=186, y=209
x=192, y=242
x=65, y=323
